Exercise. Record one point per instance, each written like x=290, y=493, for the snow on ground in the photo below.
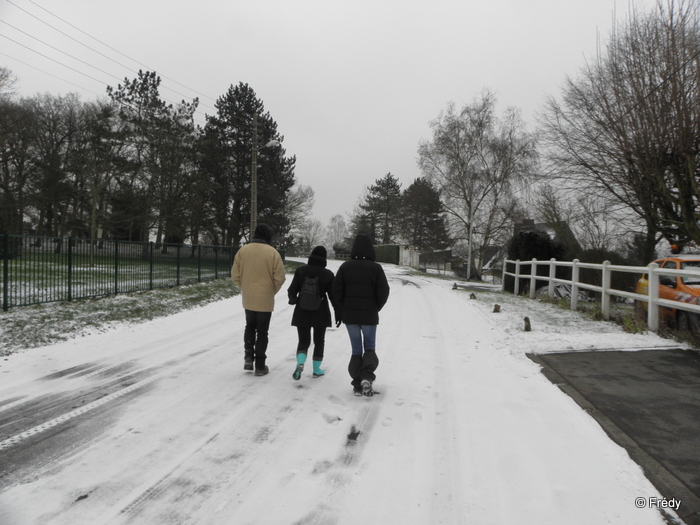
x=466, y=428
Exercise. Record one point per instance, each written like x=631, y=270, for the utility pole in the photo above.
x=254, y=181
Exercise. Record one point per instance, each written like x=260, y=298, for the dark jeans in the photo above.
x=305, y=341
x=255, y=339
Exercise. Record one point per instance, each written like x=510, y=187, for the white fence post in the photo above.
x=653, y=291
x=552, y=276
x=533, y=278
x=574, y=284
x=503, y=275
x=605, y=299
x=516, y=288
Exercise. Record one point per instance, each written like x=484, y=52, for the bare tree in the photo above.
x=336, y=232
x=300, y=202
x=629, y=126
x=7, y=82
x=477, y=160
x=308, y=235
x=18, y=163
x=596, y=222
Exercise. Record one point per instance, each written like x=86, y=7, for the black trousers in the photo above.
x=255, y=339
x=305, y=341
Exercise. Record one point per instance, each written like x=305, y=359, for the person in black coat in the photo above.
x=361, y=291
x=318, y=319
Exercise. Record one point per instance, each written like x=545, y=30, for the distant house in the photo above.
x=440, y=260
x=401, y=254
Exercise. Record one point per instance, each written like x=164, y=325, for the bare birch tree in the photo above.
x=477, y=161
x=336, y=232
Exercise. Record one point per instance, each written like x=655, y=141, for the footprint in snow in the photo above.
x=331, y=419
x=337, y=401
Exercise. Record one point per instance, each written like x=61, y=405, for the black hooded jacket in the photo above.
x=316, y=267
x=360, y=288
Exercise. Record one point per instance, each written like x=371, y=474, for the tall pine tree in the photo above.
x=227, y=155
x=422, y=217
x=378, y=213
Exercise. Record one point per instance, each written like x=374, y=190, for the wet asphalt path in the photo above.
x=648, y=402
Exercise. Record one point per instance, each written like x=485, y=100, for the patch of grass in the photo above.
x=45, y=324
x=633, y=325
x=291, y=266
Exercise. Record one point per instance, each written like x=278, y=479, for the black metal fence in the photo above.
x=48, y=269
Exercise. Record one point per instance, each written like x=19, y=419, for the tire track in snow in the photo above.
x=68, y=416
x=236, y=455
x=448, y=495
x=339, y=501
x=423, y=337
x=120, y=361
x=168, y=471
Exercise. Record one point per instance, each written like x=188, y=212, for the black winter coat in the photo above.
x=360, y=287
x=322, y=316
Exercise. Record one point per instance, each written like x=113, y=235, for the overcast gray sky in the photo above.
x=352, y=84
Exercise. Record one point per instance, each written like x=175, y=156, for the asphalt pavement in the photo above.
x=648, y=401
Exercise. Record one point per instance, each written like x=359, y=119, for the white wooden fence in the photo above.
x=652, y=298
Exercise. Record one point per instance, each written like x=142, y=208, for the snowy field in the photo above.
x=466, y=429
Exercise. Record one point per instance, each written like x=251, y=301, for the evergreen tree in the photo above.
x=226, y=158
x=378, y=213
x=160, y=140
x=422, y=218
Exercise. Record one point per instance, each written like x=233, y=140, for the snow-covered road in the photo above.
x=158, y=423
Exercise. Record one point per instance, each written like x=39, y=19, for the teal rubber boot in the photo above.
x=317, y=369
x=301, y=359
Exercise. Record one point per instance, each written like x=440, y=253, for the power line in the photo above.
x=89, y=48
x=47, y=73
x=52, y=59
x=116, y=50
x=60, y=64
x=59, y=50
x=104, y=44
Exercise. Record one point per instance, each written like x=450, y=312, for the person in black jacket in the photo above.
x=361, y=290
x=318, y=319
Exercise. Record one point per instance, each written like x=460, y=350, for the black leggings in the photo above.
x=305, y=341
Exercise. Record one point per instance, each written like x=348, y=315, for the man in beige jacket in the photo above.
x=259, y=272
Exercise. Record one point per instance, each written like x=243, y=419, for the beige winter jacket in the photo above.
x=258, y=271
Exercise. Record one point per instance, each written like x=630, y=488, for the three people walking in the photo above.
x=357, y=294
